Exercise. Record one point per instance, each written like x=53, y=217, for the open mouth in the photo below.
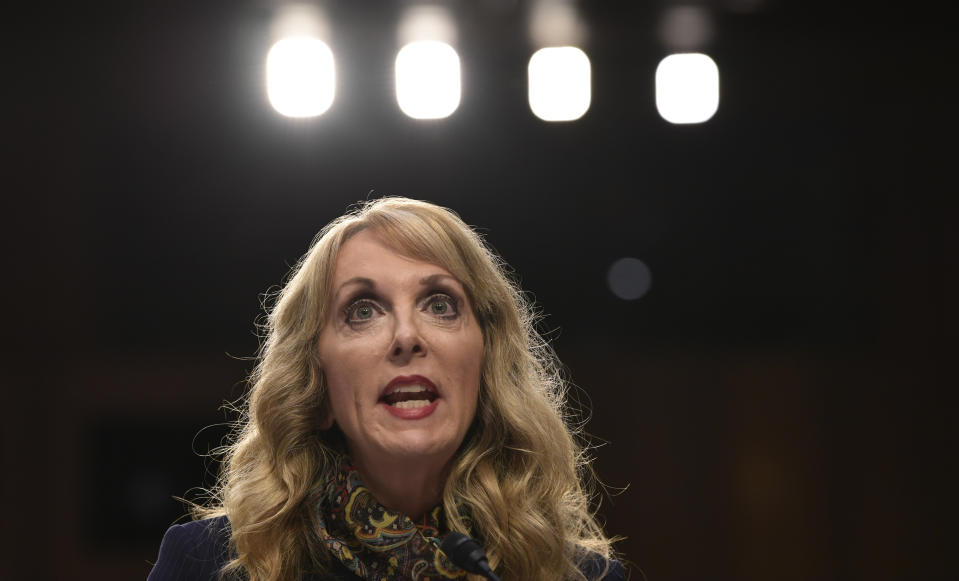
x=409, y=396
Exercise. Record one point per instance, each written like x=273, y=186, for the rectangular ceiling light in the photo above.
x=687, y=88
x=428, y=79
x=300, y=77
x=559, y=83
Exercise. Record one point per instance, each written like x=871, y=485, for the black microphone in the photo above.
x=467, y=555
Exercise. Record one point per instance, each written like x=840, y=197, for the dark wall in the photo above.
x=775, y=407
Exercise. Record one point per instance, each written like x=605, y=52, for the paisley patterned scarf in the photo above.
x=376, y=543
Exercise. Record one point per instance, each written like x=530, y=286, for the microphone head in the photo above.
x=464, y=552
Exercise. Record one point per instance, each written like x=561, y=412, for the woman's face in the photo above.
x=401, y=352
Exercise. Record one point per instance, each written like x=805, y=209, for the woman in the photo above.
x=401, y=393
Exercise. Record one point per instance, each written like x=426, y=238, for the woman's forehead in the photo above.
x=368, y=257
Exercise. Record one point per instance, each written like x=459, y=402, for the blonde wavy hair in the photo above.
x=520, y=477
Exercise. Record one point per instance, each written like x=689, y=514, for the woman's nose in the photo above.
x=407, y=340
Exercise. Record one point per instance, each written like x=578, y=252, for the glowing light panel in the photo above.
x=559, y=83
x=300, y=77
x=687, y=88
x=428, y=80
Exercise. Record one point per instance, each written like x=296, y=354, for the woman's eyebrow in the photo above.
x=357, y=280
x=434, y=278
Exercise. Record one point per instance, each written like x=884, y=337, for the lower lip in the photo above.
x=412, y=413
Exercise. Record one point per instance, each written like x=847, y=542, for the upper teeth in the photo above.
x=409, y=389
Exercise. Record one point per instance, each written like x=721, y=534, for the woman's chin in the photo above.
x=416, y=447
x=403, y=437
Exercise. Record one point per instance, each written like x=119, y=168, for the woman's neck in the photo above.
x=411, y=488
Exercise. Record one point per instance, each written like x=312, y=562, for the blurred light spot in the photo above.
x=687, y=88
x=300, y=77
x=428, y=80
x=629, y=278
x=555, y=23
x=685, y=28
x=559, y=83
x=293, y=20
x=426, y=23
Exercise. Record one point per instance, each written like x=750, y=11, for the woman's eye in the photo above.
x=360, y=311
x=364, y=312
x=442, y=305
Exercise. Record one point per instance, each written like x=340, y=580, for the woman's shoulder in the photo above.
x=193, y=551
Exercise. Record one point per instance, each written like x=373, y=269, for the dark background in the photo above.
x=775, y=407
